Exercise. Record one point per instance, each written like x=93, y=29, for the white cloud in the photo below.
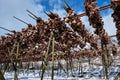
x=58, y=7
x=109, y=25
x=10, y=8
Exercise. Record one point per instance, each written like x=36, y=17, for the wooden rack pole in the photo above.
x=101, y=8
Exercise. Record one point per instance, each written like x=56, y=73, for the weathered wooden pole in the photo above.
x=105, y=70
x=46, y=56
x=12, y=31
x=101, y=8
x=53, y=46
x=80, y=65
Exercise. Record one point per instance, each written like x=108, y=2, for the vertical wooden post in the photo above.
x=80, y=65
x=46, y=55
x=104, y=61
x=52, y=76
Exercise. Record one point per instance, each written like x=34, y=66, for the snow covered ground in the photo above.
x=35, y=75
x=95, y=72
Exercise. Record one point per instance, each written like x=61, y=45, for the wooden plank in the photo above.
x=108, y=37
x=101, y=8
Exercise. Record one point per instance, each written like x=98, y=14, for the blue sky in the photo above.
x=10, y=8
x=77, y=5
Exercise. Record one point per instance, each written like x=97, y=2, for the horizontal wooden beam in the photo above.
x=101, y=8
x=108, y=37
